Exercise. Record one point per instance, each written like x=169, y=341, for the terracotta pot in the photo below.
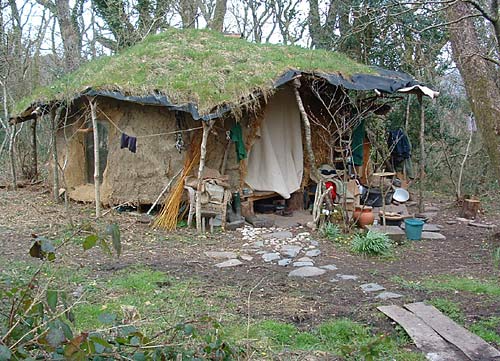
x=363, y=216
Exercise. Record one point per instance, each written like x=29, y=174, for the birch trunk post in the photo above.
x=97, y=186
x=54, y=121
x=34, y=155
x=422, y=155
x=309, y=148
x=12, y=135
x=207, y=126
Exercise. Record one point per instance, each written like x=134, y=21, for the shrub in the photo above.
x=371, y=243
x=331, y=231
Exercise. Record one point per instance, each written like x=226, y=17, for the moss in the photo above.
x=194, y=65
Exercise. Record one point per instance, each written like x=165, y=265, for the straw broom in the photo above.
x=168, y=217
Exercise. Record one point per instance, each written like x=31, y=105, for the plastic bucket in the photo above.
x=413, y=229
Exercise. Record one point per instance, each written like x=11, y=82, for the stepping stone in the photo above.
x=372, y=287
x=268, y=257
x=305, y=259
x=393, y=232
x=280, y=235
x=284, y=262
x=329, y=267
x=347, y=277
x=258, y=244
x=333, y=280
x=246, y=257
x=307, y=272
x=388, y=295
x=314, y=243
x=220, y=255
x=303, y=264
x=313, y=253
x=229, y=263
x=290, y=250
x=433, y=236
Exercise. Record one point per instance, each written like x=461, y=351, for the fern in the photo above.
x=371, y=243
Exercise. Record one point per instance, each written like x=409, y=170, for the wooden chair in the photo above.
x=209, y=210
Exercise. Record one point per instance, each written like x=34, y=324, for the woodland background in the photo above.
x=452, y=45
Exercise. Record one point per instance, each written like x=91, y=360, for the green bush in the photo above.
x=331, y=231
x=371, y=243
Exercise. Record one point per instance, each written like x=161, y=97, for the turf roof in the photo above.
x=199, y=66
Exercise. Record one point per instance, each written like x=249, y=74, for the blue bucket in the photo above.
x=413, y=229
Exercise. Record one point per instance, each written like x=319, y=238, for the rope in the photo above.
x=150, y=135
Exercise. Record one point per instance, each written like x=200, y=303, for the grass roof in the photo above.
x=200, y=66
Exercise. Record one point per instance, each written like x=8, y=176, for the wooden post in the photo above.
x=97, y=186
x=207, y=126
x=54, y=121
x=307, y=130
x=12, y=136
x=422, y=155
x=34, y=155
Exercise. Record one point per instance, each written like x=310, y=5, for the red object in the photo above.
x=333, y=192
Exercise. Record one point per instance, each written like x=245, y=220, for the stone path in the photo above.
x=299, y=252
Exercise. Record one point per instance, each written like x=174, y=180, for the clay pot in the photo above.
x=363, y=216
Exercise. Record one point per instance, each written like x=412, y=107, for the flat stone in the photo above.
x=314, y=243
x=229, y=263
x=347, y=277
x=284, y=262
x=307, y=272
x=333, y=280
x=460, y=219
x=268, y=257
x=372, y=287
x=289, y=250
x=451, y=222
x=433, y=236
x=393, y=232
x=280, y=235
x=428, y=227
x=258, y=244
x=246, y=257
x=305, y=259
x=303, y=264
x=388, y=295
x=313, y=253
x=329, y=267
x=220, y=255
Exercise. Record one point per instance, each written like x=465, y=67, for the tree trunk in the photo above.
x=219, y=15
x=54, y=121
x=97, y=177
x=34, y=155
x=203, y=155
x=188, y=10
x=479, y=79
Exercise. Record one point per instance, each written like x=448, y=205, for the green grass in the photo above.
x=463, y=284
x=201, y=66
x=341, y=337
x=488, y=329
x=449, y=308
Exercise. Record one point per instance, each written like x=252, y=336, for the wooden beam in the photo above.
x=97, y=186
x=422, y=155
x=472, y=345
x=207, y=126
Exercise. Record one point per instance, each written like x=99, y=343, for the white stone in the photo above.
x=305, y=259
x=372, y=287
x=229, y=263
x=307, y=272
x=329, y=267
x=313, y=253
x=220, y=255
x=302, y=264
x=246, y=257
x=388, y=295
x=347, y=277
x=284, y=262
x=268, y=257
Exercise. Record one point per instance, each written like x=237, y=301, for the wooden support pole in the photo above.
x=12, y=136
x=55, y=115
x=422, y=155
x=307, y=130
x=207, y=126
x=97, y=185
x=34, y=154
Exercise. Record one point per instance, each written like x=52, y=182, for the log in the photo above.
x=97, y=186
x=422, y=155
x=470, y=208
x=207, y=126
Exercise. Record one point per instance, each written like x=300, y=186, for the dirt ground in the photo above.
x=305, y=302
